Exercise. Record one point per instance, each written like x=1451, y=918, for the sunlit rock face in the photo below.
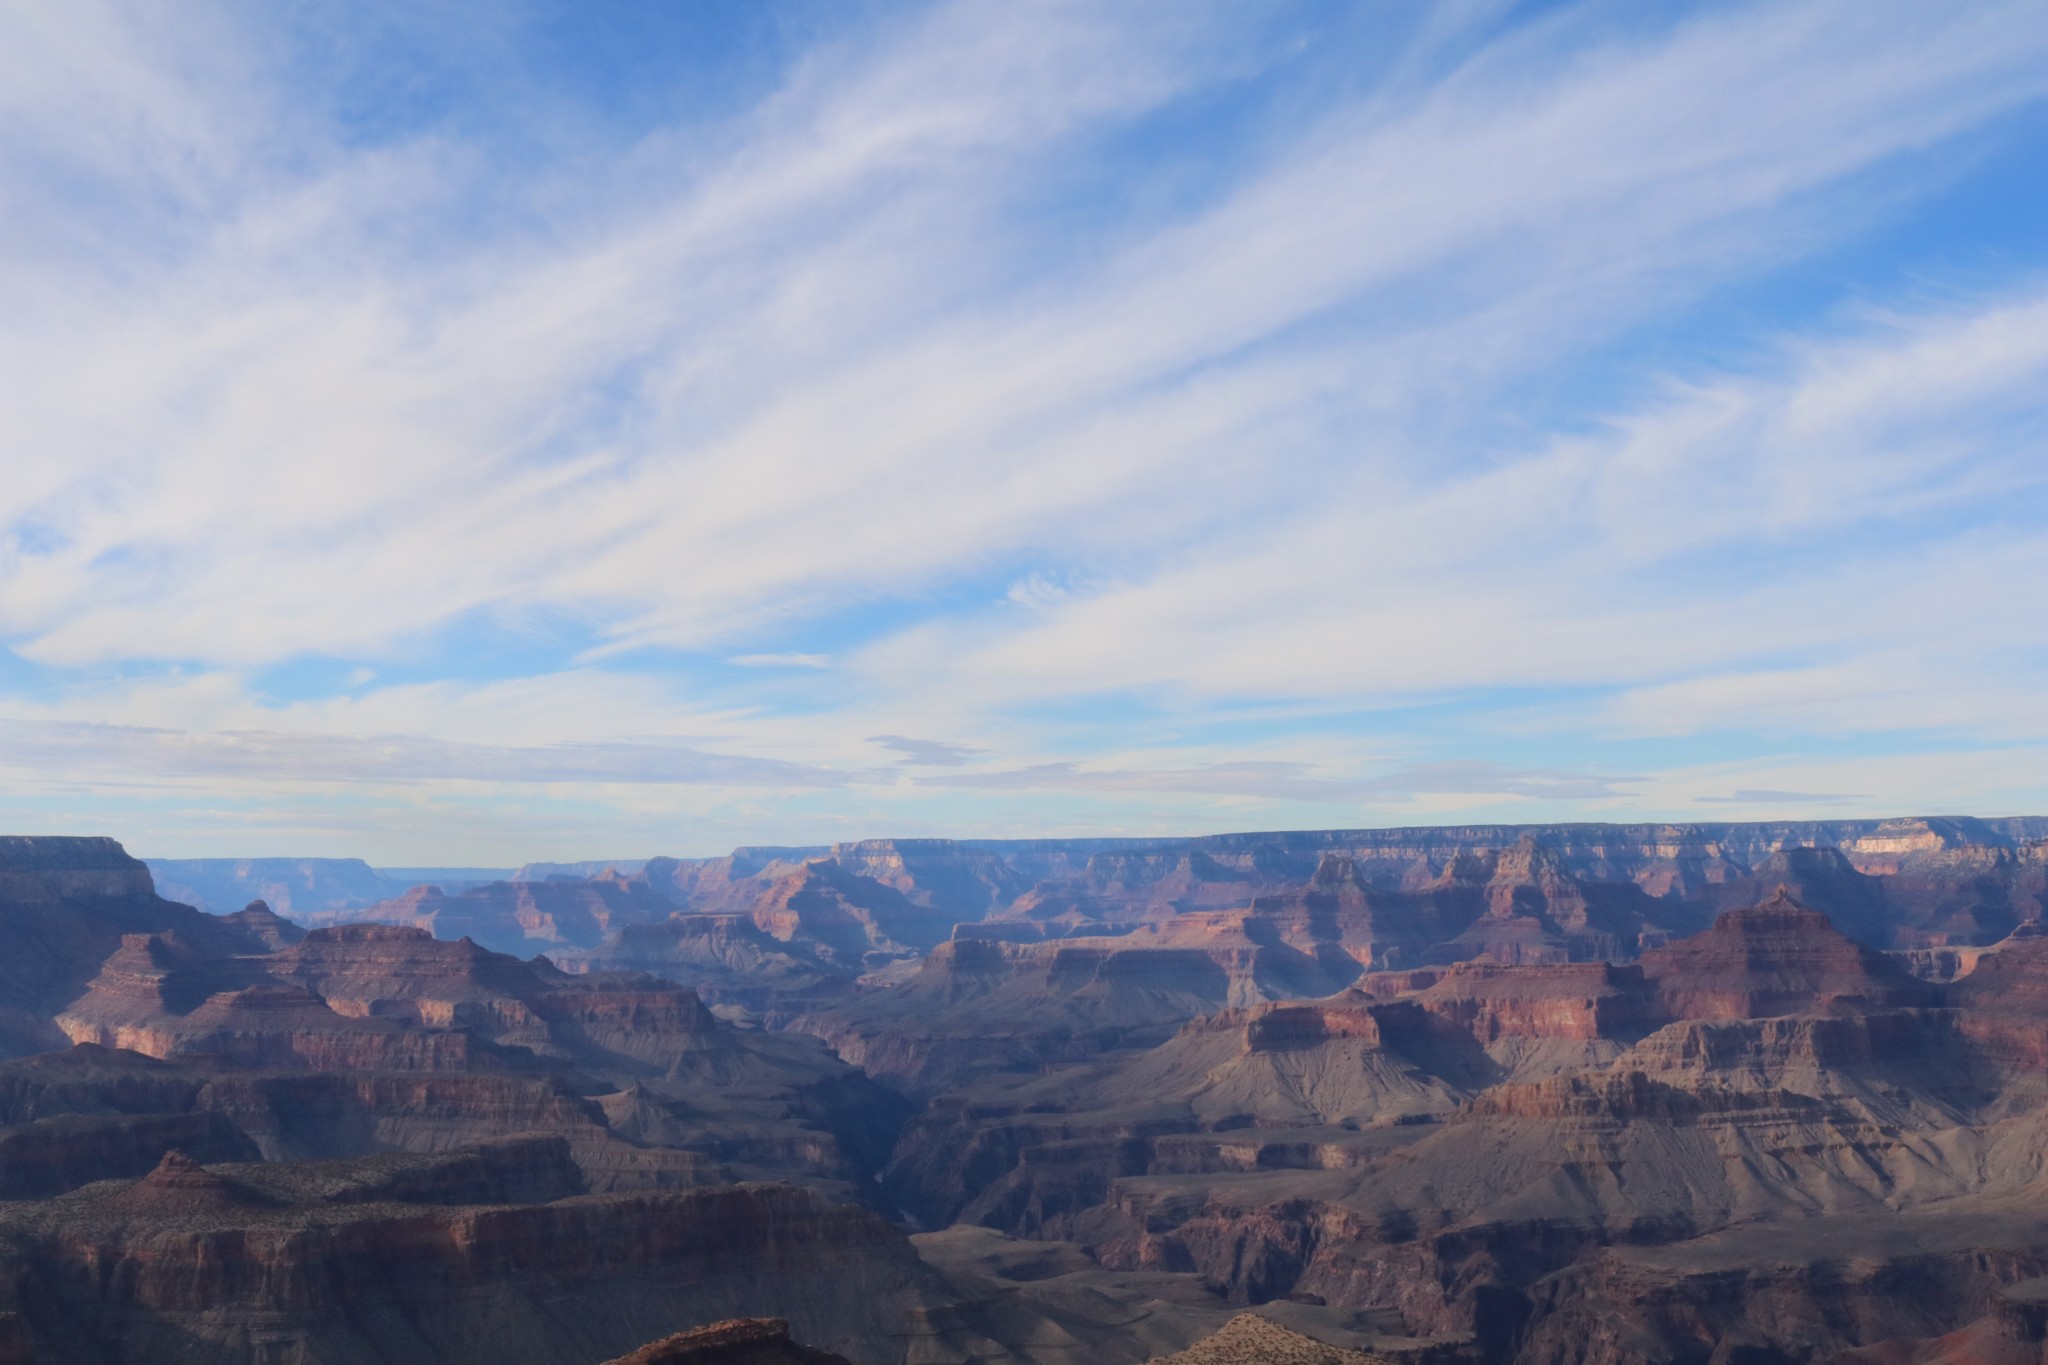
x=69, y=904
x=1449, y=1146
x=1779, y=957
x=1457, y=1095
x=735, y=1341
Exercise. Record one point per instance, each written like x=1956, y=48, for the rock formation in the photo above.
x=1453, y=1146
x=1778, y=957
x=69, y=903
x=1571, y=1093
x=189, y=1259
x=736, y=1341
x=1249, y=1339
x=516, y=916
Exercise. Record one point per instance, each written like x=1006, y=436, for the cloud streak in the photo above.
x=1167, y=404
x=1298, y=781
x=136, y=753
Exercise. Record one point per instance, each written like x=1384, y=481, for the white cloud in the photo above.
x=1653, y=554
x=781, y=660
x=272, y=393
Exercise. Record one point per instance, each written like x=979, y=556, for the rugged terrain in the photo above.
x=1576, y=1093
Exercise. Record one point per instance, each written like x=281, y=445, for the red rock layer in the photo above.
x=1575, y=1000
x=1775, y=958
x=186, y=1259
x=736, y=1341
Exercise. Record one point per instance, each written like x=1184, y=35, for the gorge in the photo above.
x=1517, y=1094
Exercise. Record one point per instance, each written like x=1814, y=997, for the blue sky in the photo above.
x=452, y=433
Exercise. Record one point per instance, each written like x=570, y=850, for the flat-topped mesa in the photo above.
x=44, y=868
x=1290, y=1027
x=1578, y=1001
x=1776, y=958
x=1046, y=974
x=1509, y=893
x=296, y=886
x=1891, y=843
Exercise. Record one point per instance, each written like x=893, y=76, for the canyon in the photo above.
x=1707, y=1093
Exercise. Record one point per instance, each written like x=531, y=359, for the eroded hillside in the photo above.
x=1503, y=1095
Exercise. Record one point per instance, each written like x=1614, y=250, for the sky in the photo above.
x=455, y=433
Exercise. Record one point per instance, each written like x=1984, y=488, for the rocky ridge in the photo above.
x=736, y=1341
x=1431, y=1095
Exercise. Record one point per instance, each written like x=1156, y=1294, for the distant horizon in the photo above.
x=381, y=866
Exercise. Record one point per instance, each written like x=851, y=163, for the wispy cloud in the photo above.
x=1299, y=782
x=1754, y=797
x=133, y=753
x=927, y=752
x=1167, y=404
x=781, y=660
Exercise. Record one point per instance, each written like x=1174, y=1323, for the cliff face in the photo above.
x=342, y=1266
x=955, y=881
x=979, y=1004
x=1540, y=1156
x=69, y=903
x=516, y=917
x=371, y=996
x=783, y=932
x=790, y=938
x=369, y=1037
x=1586, y=1093
x=1775, y=958
x=41, y=871
x=292, y=885
x=1579, y=1002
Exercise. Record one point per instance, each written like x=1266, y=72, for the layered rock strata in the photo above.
x=736, y=1341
